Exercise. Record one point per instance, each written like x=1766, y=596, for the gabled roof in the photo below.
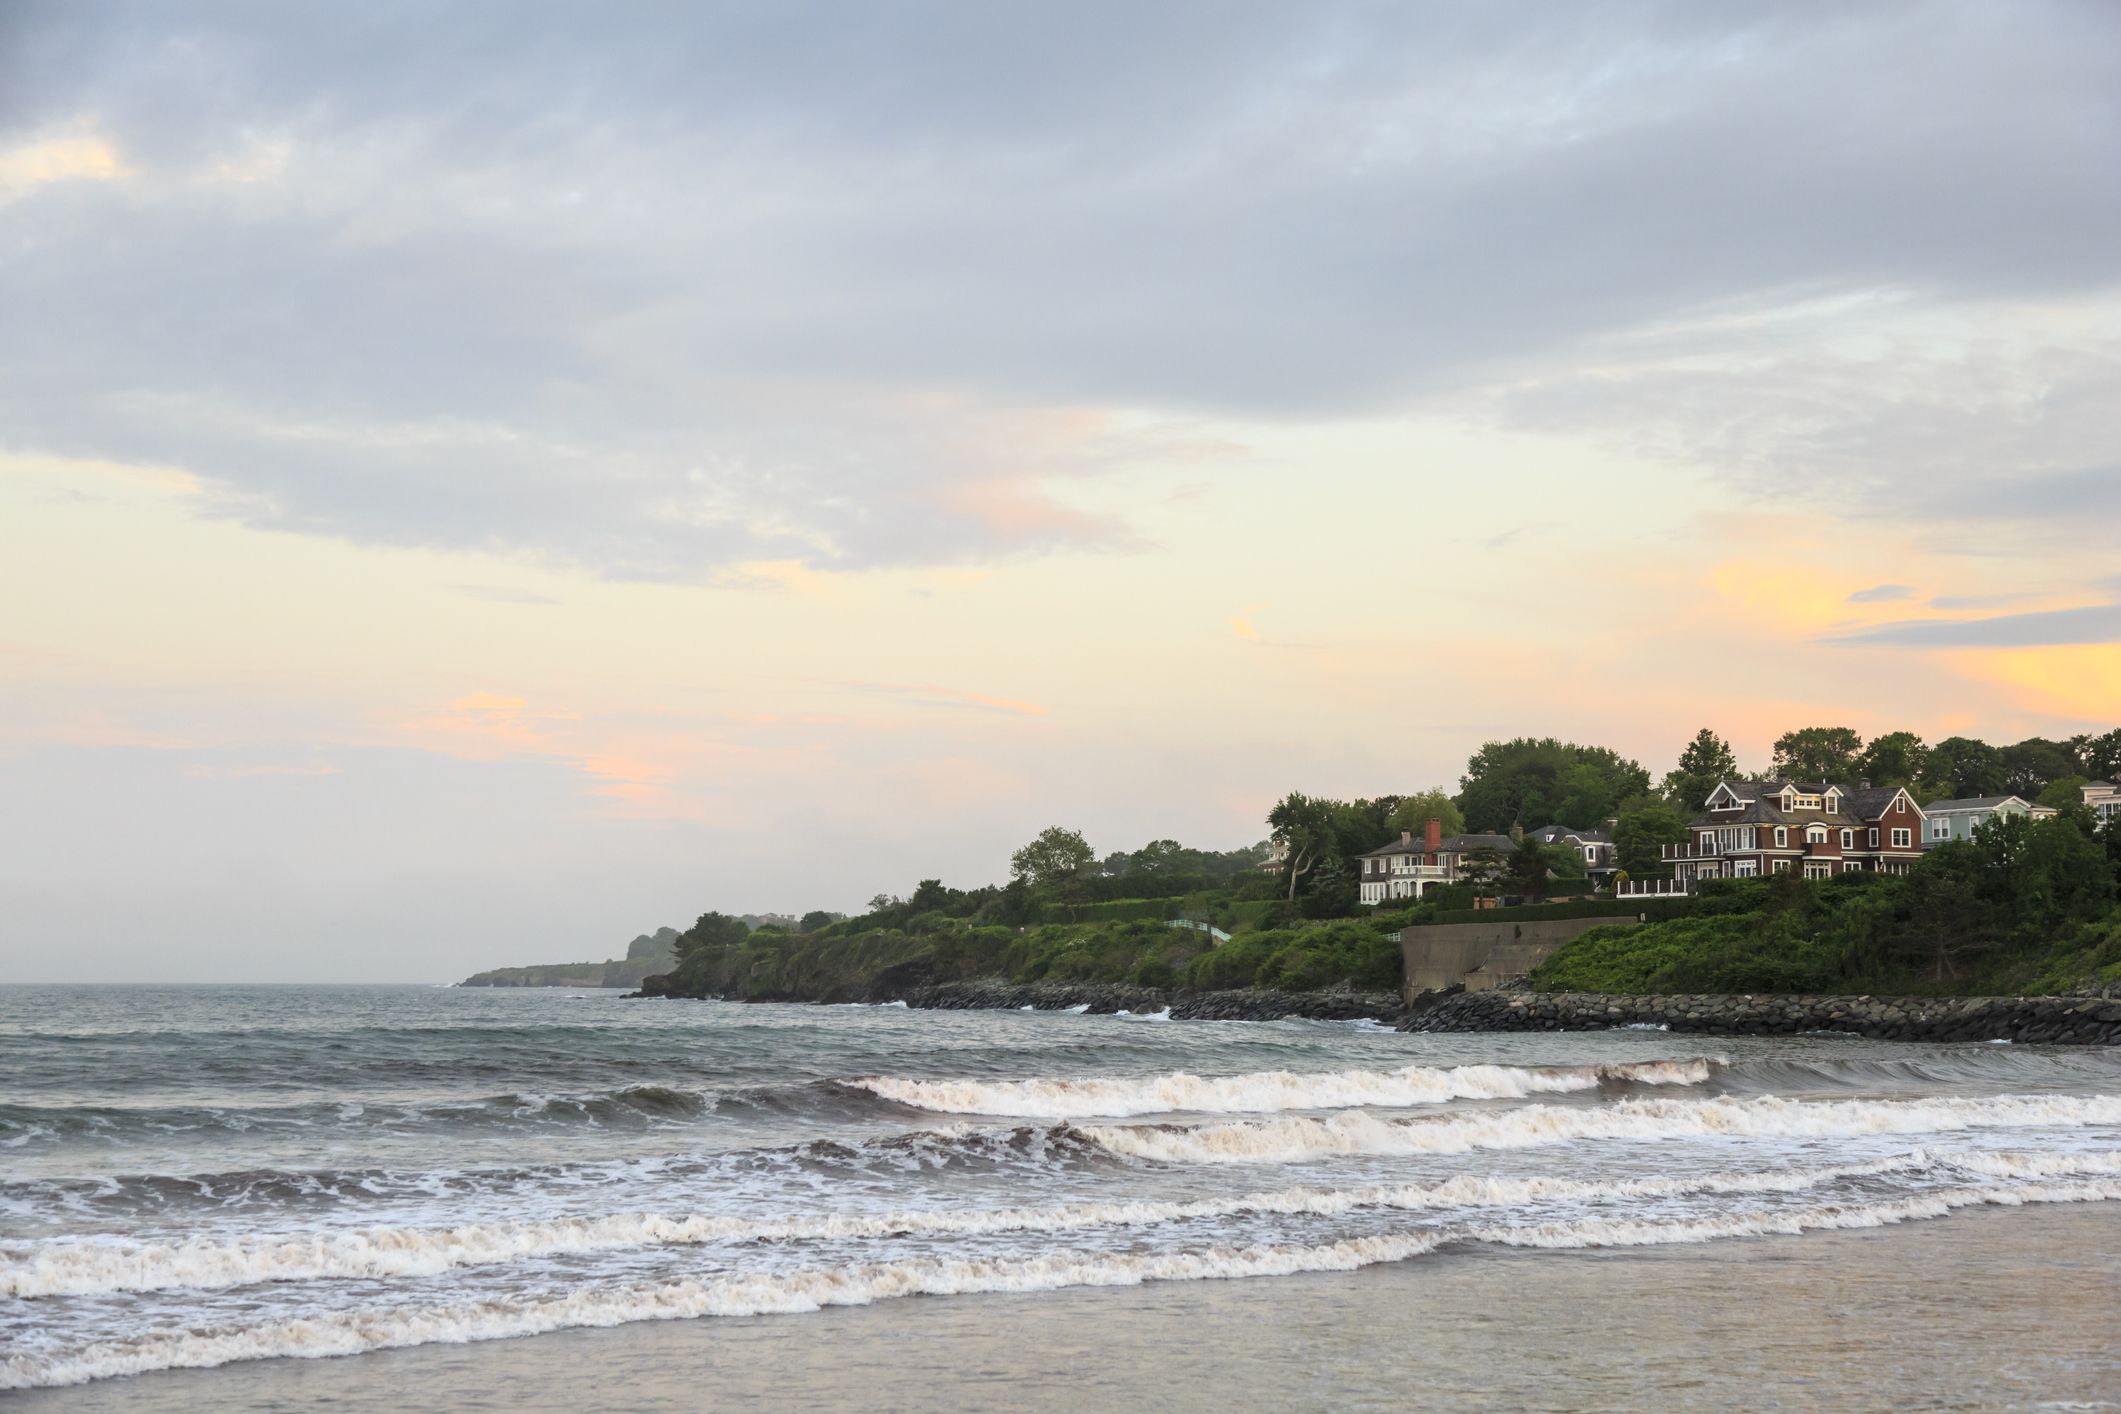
x=1860, y=805
x=1974, y=802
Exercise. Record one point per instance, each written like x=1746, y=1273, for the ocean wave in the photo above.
x=633, y=1105
x=1293, y=1139
x=1267, y=1091
x=812, y=1289
x=76, y=1268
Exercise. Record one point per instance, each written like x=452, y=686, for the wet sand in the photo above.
x=1986, y=1309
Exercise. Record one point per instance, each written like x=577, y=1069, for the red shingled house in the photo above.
x=1752, y=828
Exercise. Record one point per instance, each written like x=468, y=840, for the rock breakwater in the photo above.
x=2068, y=1020
x=1103, y=998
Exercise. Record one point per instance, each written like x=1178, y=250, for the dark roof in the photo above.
x=1861, y=805
x=1553, y=834
x=1451, y=844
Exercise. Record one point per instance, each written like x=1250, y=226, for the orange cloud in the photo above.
x=2081, y=681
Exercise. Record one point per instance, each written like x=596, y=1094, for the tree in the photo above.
x=816, y=919
x=1536, y=781
x=1303, y=825
x=1706, y=760
x=1056, y=857
x=1158, y=857
x=2065, y=794
x=1416, y=811
x=1895, y=759
x=1961, y=768
x=1817, y=754
x=928, y=896
x=1481, y=867
x=879, y=902
x=2099, y=757
x=714, y=930
x=1640, y=836
x=2030, y=766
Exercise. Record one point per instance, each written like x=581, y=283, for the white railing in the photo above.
x=1654, y=888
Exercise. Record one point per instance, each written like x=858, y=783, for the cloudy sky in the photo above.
x=481, y=481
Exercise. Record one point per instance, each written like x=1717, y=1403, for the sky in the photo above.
x=479, y=482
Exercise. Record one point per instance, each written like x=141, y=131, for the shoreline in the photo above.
x=2079, y=1021
x=1486, y=1330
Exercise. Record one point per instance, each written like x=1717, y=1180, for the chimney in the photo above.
x=1432, y=838
x=1406, y=837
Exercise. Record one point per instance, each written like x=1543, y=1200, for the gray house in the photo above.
x=1958, y=819
x=1594, y=847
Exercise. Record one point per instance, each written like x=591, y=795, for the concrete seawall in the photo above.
x=2070, y=1020
x=1481, y=955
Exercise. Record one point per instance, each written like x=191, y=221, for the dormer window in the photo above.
x=1833, y=802
x=1815, y=834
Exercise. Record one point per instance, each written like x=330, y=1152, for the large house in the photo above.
x=1958, y=819
x=2103, y=799
x=1593, y=847
x=1408, y=866
x=1753, y=828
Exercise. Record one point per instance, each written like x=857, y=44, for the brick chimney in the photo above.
x=1432, y=837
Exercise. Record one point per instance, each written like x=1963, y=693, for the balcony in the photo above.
x=1655, y=888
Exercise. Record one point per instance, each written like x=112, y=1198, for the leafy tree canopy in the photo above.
x=1532, y=782
x=1417, y=810
x=1895, y=759
x=2099, y=757
x=2032, y=765
x=1057, y=856
x=714, y=930
x=1817, y=754
x=1960, y=768
x=1708, y=759
x=1640, y=836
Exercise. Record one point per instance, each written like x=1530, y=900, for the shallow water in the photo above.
x=222, y=1176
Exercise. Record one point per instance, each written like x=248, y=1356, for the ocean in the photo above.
x=547, y=1199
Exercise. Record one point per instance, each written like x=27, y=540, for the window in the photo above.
x=1833, y=802
x=1782, y=837
x=1902, y=839
x=1874, y=837
x=1848, y=839
x=1744, y=869
x=1939, y=829
x=1815, y=834
x=1782, y=866
x=1817, y=871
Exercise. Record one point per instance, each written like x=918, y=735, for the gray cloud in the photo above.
x=1882, y=594
x=658, y=289
x=2096, y=624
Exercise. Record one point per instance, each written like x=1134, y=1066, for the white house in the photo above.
x=1408, y=866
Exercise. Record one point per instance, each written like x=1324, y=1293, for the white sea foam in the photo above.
x=1268, y=1090
x=346, y=1333
x=1294, y=1138
x=76, y=1268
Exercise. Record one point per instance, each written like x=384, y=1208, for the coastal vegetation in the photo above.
x=2027, y=905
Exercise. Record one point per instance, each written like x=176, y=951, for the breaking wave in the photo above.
x=1293, y=1138
x=1269, y=1090
x=811, y=1289
x=76, y=1268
